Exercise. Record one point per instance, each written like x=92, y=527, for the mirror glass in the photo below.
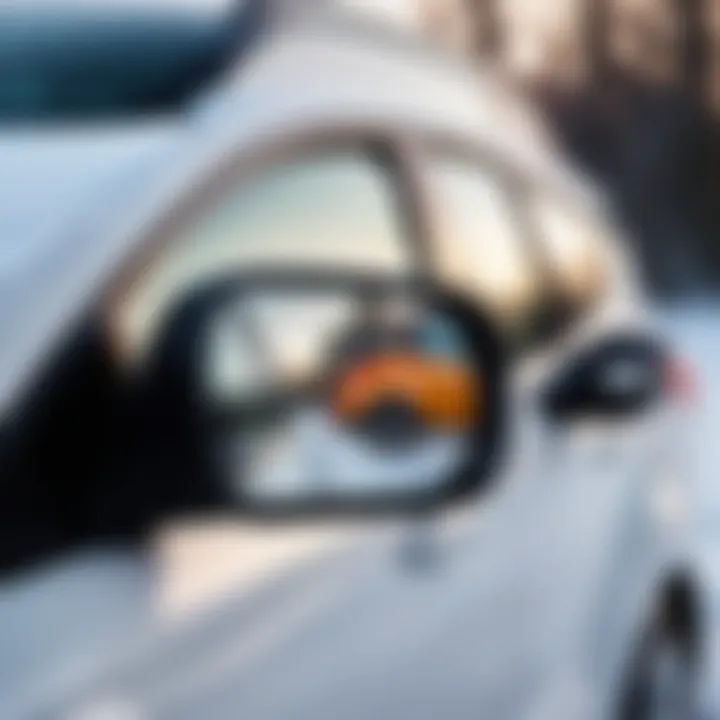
x=316, y=396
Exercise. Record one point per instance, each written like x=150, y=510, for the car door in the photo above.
x=327, y=204
x=459, y=645
x=370, y=640
x=580, y=527
x=359, y=638
x=385, y=645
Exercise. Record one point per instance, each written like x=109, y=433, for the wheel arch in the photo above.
x=680, y=609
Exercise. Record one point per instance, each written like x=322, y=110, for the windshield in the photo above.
x=76, y=64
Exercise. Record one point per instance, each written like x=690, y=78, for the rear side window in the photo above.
x=576, y=247
x=479, y=245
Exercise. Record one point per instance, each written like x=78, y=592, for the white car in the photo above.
x=338, y=151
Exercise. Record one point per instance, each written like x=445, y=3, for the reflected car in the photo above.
x=436, y=392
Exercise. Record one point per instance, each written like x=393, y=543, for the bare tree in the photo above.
x=596, y=36
x=488, y=28
x=689, y=16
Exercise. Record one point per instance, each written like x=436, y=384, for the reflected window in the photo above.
x=274, y=338
x=312, y=396
x=479, y=246
x=335, y=211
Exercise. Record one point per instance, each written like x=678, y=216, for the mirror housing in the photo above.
x=300, y=393
x=619, y=377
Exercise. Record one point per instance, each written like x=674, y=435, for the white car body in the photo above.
x=567, y=555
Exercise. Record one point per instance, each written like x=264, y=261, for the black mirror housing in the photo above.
x=387, y=396
x=619, y=377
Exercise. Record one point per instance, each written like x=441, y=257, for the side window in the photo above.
x=336, y=210
x=576, y=247
x=479, y=246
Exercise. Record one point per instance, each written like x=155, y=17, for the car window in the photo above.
x=576, y=247
x=479, y=245
x=338, y=210
x=63, y=64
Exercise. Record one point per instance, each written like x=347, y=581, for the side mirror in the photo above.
x=326, y=394
x=620, y=377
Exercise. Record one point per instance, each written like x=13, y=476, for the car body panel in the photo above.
x=522, y=616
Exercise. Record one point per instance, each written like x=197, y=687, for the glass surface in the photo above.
x=80, y=63
x=575, y=243
x=336, y=211
x=271, y=340
x=479, y=246
x=315, y=458
x=310, y=414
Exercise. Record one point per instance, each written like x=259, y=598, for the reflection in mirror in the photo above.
x=331, y=396
x=268, y=339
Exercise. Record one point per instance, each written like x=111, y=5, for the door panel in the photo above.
x=581, y=501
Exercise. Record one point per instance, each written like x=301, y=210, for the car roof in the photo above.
x=329, y=70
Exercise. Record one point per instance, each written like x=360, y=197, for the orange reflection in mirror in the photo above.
x=443, y=394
